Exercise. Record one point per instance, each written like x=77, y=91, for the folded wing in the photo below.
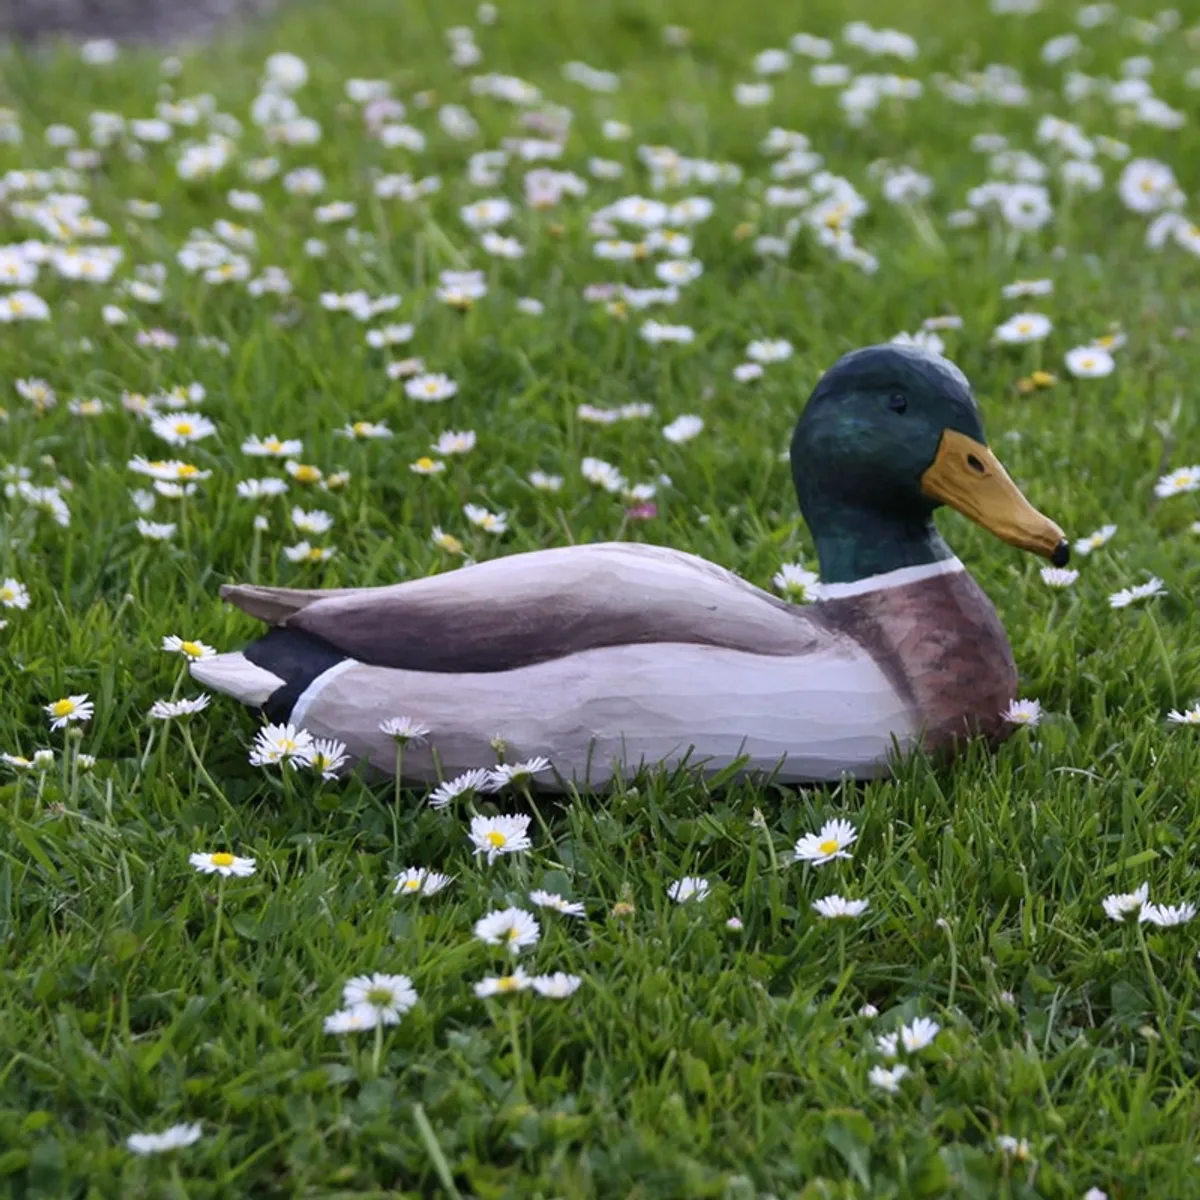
x=528, y=608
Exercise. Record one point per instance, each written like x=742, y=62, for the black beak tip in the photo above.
x=1062, y=554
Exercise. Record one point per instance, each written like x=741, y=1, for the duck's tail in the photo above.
x=272, y=673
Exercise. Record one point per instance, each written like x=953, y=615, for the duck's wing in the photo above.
x=528, y=608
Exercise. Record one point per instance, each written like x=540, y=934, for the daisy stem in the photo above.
x=537, y=812
x=1159, y=1004
x=518, y=1066
x=1165, y=655
x=953, y=966
x=255, y=553
x=201, y=769
x=377, y=1053
x=841, y=940
x=220, y=905
x=399, y=771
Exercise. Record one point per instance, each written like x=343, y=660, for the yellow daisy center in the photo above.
x=316, y=554
x=513, y=934
x=424, y=463
x=494, y=836
x=307, y=474
x=411, y=885
x=64, y=708
x=829, y=846
x=186, y=470
x=273, y=444
x=379, y=997
x=222, y=859
x=183, y=428
x=191, y=649
x=451, y=543
x=7, y=593
x=508, y=983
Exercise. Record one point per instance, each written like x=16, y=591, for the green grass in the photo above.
x=694, y=1061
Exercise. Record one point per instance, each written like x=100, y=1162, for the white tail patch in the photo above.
x=236, y=676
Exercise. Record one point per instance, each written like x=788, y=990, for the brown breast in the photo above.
x=942, y=645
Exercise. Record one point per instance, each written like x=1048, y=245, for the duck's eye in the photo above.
x=898, y=402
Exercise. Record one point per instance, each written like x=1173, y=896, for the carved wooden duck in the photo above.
x=608, y=657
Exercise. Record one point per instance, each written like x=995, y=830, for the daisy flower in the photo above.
x=14, y=594
x=327, y=756
x=833, y=841
x=1023, y=712
x=798, y=584
x=1188, y=716
x=68, y=710
x=557, y=986
x=313, y=521
x=919, y=1034
x=303, y=472
x=420, y=882
x=222, y=863
x=552, y=900
x=305, y=552
x=196, y=651
x=174, y=1138
x=1059, y=577
x=281, y=744
x=482, y=518
x=1120, y=905
x=404, y=730
x=452, y=442
x=389, y=335
x=511, y=927
x=769, y=350
x=1094, y=541
x=1142, y=591
x=1166, y=915
x=683, y=429
x=1089, y=362
x=445, y=541
x=430, y=388
x=515, y=773
x=271, y=446
x=1023, y=328
x=178, y=429
x=352, y=1020
x=887, y=1079
x=389, y=996
x=690, y=887
x=167, y=710
x=494, y=836
x=834, y=907
x=501, y=985
x=469, y=781
x=1185, y=479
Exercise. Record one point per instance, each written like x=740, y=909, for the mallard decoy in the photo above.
x=609, y=657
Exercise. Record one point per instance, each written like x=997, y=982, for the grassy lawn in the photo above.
x=727, y=1045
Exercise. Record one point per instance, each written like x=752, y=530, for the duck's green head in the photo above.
x=889, y=434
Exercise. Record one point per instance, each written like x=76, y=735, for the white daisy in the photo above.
x=511, y=927
x=469, y=781
x=390, y=996
x=690, y=887
x=420, y=882
x=833, y=841
x=222, y=863
x=494, y=836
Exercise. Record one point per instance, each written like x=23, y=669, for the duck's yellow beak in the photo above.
x=966, y=475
